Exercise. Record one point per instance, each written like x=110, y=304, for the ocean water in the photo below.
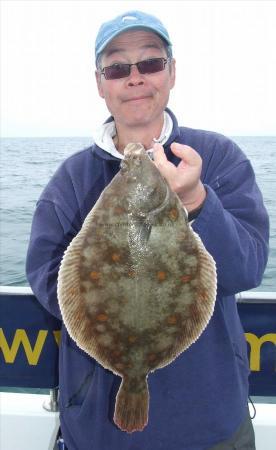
x=27, y=164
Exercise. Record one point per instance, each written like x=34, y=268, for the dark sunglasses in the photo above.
x=123, y=70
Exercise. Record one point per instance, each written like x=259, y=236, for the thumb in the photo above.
x=186, y=153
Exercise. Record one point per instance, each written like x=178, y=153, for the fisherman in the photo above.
x=200, y=401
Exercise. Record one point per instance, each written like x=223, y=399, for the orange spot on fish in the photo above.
x=115, y=257
x=131, y=273
x=186, y=278
x=132, y=339
x=95, y=276
x=152, y=357
x=102, y=317
x=173, y=214
x=161, y=275
x=194, y=311
x=72, y=291
x=204, y=295
x=119, y=210
x=171, y=320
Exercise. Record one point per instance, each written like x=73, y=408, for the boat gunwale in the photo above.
x=241, y=297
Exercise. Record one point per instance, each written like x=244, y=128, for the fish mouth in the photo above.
x=134, y=151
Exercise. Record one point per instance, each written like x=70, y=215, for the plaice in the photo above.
x=136, y=286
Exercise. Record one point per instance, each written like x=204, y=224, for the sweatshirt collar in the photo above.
x=103, y=136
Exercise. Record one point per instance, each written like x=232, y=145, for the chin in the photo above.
x=137, y=122
x=138, y=118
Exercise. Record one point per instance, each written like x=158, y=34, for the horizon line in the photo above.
x=91, y=137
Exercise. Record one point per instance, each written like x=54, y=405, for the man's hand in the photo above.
x=183, y=179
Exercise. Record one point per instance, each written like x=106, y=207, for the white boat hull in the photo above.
x=25, y=423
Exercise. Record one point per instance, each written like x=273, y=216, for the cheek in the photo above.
x=170, y=82
x=99, y=84
x=108, y=92
x=111, y=100
x=163, y=90
x=164, y=85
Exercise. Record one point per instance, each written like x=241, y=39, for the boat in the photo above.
x=29, y=342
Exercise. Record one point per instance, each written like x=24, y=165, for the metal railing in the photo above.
x=242, y=297
x=256, y=297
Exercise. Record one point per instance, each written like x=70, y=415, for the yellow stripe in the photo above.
x=255, y=343
x=20, y=337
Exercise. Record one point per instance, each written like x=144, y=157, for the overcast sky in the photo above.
x=225, y=54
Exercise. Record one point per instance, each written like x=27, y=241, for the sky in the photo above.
x=225, y=64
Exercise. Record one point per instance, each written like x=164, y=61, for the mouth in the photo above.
x=137, y=99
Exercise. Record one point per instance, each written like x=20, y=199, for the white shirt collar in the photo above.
x=103, y=136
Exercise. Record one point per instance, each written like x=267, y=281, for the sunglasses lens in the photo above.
x=151, y=65
x=123, y=70
x=116, y=71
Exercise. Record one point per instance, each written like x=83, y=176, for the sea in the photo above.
x=27, y=164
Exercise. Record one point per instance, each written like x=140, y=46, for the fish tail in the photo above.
x=132, y=405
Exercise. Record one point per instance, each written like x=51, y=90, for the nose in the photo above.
x=135, y=78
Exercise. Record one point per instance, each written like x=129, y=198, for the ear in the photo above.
x=172, y=72
x=99, y=83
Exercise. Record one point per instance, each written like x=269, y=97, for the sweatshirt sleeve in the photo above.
x=234, y=228
x=51, y=233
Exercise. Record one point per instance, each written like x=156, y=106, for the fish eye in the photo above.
x=136, y=160
x=151, y=190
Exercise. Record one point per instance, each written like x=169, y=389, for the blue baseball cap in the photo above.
x=130, y=20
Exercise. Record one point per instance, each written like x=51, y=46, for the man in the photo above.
x=199, y=401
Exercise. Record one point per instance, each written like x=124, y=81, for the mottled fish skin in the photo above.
x=136, y=286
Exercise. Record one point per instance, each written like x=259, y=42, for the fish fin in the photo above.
x=131, y=409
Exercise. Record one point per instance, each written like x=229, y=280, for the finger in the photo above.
x=159, y=154
x=166, y=168
x=186, y=153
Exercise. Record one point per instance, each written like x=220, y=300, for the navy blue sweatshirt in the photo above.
x=200, y=399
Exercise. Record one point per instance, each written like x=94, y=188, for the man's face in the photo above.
x=137, y=100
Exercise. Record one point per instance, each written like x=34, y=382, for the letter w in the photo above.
x=20, y=337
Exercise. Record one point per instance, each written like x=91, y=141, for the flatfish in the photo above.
x=136, y=286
